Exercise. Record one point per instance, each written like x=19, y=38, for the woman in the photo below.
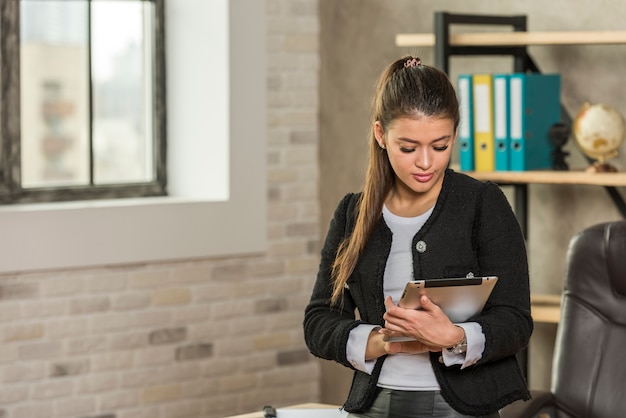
x=415, y=218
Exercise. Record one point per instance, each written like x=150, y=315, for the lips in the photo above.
x=422, y=177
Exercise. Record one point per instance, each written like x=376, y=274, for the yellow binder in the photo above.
x=483, y=122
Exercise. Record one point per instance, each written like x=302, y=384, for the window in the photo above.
x=217, y=192
x=83, y=105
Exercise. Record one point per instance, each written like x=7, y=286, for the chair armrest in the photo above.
x=538, y=402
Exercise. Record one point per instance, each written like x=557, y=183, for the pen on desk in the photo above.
x=269, y=412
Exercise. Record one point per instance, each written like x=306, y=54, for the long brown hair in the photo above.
x=405, y=89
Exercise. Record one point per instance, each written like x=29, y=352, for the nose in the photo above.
x=423, y=158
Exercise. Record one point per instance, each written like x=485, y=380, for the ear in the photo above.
x=379, y=133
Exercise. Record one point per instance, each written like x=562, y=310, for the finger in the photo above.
x=392, y=348
x=393, y=313
x=392, y=310
x=411, y=347
x=391, y=329
x=389, y=303
x=388, y=332
x=427, y=304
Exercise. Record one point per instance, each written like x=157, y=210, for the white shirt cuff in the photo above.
x=355, y=350
x=475, y=347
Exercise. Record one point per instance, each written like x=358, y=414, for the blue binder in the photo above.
x=466, y=123
x=501, y=121
x=535, y=108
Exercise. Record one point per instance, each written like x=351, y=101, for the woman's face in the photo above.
x=419, y=151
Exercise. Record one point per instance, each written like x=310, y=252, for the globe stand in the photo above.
x=601, y=167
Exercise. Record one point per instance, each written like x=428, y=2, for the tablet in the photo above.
x=459, y=298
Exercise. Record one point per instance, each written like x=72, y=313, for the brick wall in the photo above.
x=192, y=338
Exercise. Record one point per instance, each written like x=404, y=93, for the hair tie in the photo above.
x=412, y=62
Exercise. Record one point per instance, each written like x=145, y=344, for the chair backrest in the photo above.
x=589, y=367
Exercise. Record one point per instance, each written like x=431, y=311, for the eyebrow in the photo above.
x=412, y=141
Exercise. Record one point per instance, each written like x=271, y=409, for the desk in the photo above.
x=301, y=406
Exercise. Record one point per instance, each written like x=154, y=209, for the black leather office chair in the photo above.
x=589, y=366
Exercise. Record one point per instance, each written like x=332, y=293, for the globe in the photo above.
x=599, y=131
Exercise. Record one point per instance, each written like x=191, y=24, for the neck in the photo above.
x=405, y=202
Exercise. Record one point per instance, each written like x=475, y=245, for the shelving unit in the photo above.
x=552, y=177
x=515, y=38
x=545, y=308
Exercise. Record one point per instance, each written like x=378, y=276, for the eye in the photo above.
x=406, y=150
x=441, y=148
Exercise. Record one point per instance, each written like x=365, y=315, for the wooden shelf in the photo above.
x=515, y=38
x=545, y=308
x=551, y=177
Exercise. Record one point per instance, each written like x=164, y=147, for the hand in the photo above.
x=377, y=346
x=429, y=325
x=408, y=347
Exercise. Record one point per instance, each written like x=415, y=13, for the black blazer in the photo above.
x=472, y=229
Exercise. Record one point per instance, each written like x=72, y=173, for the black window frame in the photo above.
x=11, y=190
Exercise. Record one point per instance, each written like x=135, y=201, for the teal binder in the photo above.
x=466, y=123
x=535, y=107
x=501, y=122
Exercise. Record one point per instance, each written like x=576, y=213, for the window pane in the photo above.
x=122, y=91
x=54, y=93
